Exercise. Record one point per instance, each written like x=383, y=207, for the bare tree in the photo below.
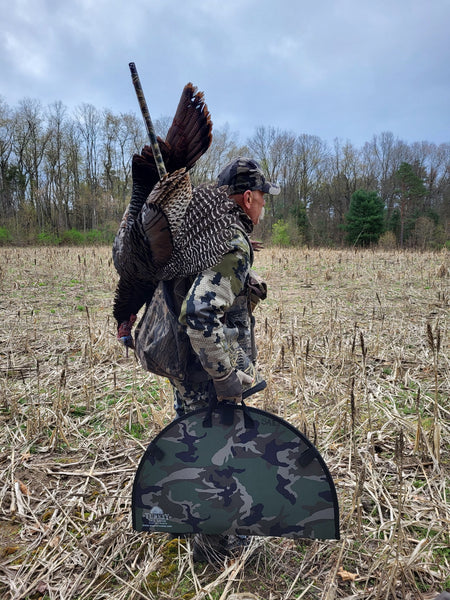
x=89, y=123
x=224, y=147
x=274, y=150
x=122, y=136
x=385, y=153
x=30, y=141
x=55, y=167
x=73, y=153
x=342, y=179
x=8, y=171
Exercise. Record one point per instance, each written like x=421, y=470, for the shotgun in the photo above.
x=162, y=172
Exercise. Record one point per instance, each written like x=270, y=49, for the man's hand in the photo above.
x=229, y=387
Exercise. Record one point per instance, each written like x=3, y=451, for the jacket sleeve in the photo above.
x=210, y=296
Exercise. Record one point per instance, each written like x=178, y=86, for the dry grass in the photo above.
x=355, y=350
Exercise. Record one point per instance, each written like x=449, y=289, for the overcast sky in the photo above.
x=344, y=69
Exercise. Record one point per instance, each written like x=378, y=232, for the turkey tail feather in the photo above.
x=190, y=134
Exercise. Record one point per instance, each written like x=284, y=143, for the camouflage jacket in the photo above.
x=194, y=328
x=218, y=302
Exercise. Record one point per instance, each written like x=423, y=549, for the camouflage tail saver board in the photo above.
x=236, y=470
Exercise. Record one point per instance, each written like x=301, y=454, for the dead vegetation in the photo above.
x=354, y=346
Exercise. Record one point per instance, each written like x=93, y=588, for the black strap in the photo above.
x=207, y=421
x=226, y=410
x=248, y=419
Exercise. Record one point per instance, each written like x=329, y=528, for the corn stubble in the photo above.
x=354, y=346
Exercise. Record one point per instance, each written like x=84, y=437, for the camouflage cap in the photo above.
x=243, y=174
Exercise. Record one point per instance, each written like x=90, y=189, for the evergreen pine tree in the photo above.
x=365, y=218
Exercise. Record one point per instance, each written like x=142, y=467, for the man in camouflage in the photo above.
x=216, y=309
x=214, y=478
x=216, y=312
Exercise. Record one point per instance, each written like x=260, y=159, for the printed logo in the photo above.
x=156, y=517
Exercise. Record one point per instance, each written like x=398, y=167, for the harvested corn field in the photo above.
x=354, y=347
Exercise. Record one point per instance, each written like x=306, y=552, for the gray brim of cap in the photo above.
x=271, y=188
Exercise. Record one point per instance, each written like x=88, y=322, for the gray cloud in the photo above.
x=342, y=68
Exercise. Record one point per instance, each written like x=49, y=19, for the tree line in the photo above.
x=66, y=176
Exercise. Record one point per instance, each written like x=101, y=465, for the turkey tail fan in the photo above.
x=190, y=134
x=146, y=161
x=188, y=138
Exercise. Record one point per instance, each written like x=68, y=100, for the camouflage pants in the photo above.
x=189, y=396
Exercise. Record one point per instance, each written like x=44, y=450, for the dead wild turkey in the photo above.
x=170, y=229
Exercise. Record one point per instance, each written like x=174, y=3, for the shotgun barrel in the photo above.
x=148, y=121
